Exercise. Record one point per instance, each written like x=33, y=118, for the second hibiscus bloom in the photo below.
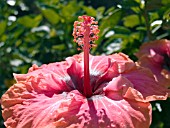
x=155, y=55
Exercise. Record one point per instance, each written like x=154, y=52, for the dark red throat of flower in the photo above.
x=85, y=33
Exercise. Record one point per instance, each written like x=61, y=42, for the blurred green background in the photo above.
x=40, y=31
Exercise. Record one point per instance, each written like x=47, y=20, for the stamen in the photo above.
x=79, y=30
x=85, y=33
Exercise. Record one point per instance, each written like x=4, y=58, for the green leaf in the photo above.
x=131, y=21
x=51, y=15
x=18, y=42
x=110, y=10
x=166, y=15
x=70, y=10
x=50, y=1
x=18, y=32
x=59, y=47
x=165, y=2
x=135, y=35
x=90, y=11
x=118, y=36
x=30, y=22
x=130, y=3
x=141, y=28
x=2, y=27
x=100, y=12
x=122, y=30
x=153, y=16
x=110, y=21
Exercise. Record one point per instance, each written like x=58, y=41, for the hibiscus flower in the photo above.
x=84, y=91
x=155, y=55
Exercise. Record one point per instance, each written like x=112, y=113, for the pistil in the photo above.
x=87, y=86
x=85, y=33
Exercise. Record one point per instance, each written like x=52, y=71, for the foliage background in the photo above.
x=40, y=31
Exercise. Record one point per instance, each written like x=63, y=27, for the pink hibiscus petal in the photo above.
x=98, y=65
x=159, y=46
x=104, y=112
x=117, y=88
x=144, y=81
x=161, y=75
x=75, y=71
x=116, y=64
x=120, y=87
x=124, y=62
x=156, y=55
x=59, y=68
x=37, y=111
x=49, y=79
x=71, y=110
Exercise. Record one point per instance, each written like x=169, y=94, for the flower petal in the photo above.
x=59, y=68
x=49, y=79
x=98, y=65
x=161, y=75
x=75, y=72
x=155, y=55
x=144, y=81
x=22, y=109
x=117, y=64
x=160, y=46
x=28, y=110
x=124, y=62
